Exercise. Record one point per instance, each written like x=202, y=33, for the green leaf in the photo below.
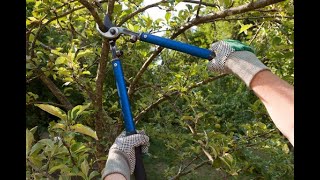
x=189, y=7
x=29, y=140
x=56, y=52
x=187, y=118
x=262, y=125
x=47, y=142
x=276, y=40
x=53, y=110
x=85, y=167
x=167, y=16
x=86, y=72
x=225, y=162
x=244, y=28
x=36, y=148
x=54, y=168
x=76, y=111
x=83, y=53
x=213, y=150
x=34, y=129
x=80, y=128
x=93, y=174
x=77, y=147
x=59, y=126
x=61, y=60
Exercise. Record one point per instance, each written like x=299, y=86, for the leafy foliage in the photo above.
x=197, y=121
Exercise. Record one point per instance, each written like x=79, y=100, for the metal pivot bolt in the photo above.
x=145, y=36
x=119, y=53
x=115, y=64
x=133, y=39
x=112, y=31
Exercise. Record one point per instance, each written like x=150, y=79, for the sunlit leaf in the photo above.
x=53, y=110
x=84, y=130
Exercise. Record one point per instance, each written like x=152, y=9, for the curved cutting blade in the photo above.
x=107, y=22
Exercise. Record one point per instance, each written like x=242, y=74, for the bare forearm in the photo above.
x=115, y=176
x=278, y=98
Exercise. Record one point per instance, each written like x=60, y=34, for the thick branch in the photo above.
x=55, y=90
x=257, y=17
x=201, y=20
x=94, y=14
x=110, y=7
x=228, y=12
x=170, y=94
x=126, y=18
x=100, y=79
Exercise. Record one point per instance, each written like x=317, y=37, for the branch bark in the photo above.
x=201, y=20
x=55, y=90
x=94, y=14
x=100, y=113
x=110, y=7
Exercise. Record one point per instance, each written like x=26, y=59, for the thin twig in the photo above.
x=203, y=3
x=256, y=33
x=198, y=10
x=168, y=95
x=126, y=18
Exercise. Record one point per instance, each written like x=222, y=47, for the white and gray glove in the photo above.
x=232, y=56
x=121, y=157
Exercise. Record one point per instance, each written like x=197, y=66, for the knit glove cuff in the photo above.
x=116, y=163
x=245, y=65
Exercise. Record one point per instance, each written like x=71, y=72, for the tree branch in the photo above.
x=170, y=94
x=256, y=34
x=228, y=12
x=100, y=78
x=55, y=90
x=257, y=17
x=68, y=148
x=126, y=18
x=190, y=170
x=203, y=3
x=110, y=7
x=38, y=170
x=200, y=20
x=198, y=10
x=94, y=14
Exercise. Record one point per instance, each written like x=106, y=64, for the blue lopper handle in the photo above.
x=176, y=45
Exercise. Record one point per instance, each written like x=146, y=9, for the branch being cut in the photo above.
x=201, y=20
x=110, y=7
x=173, y=93
x=94, y=14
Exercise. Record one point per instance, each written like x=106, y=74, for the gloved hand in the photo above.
x=232, y=56
x=121, y=158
